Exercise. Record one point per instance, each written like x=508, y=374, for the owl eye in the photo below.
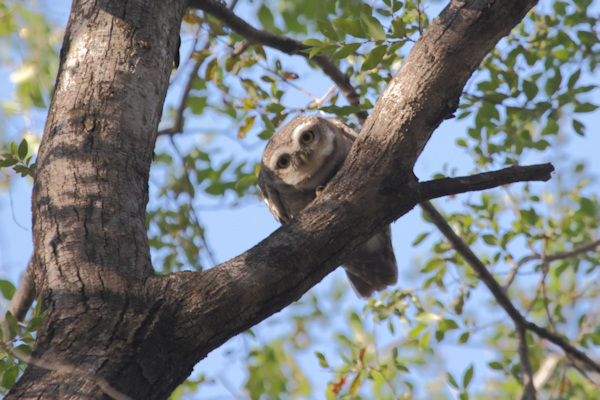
x=283, y=162
x=307, y=137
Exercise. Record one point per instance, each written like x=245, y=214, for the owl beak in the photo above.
x=304, y=159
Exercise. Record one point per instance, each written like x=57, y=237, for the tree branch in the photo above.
x=484, y=275
x=177, y=126
x=487, y=180
x=584, y=248
x=281, y=43
x=25, y=294
x=567, y=347
x=374, y=187
x=526, y=370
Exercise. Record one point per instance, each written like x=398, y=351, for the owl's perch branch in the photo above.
x=281, y=43
x=374, y=187
x=487, y=180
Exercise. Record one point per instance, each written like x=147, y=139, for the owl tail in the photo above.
x=372, y=266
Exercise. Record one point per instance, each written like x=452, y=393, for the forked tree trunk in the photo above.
x=113, y=327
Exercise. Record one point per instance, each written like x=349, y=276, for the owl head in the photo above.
x=305, y=153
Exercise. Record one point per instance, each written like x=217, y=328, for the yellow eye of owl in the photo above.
x=283, y=162
x=307, y=137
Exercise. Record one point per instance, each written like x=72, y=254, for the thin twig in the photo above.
x=575, y=355
x=526, y=370
x=196, y=219
x=584, y=248
x=284, y=44
x=178, y=123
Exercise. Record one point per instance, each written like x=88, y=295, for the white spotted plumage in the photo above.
x=303, y=156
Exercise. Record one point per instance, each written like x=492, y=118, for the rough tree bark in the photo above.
x=113, y=327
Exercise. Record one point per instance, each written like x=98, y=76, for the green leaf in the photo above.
x=587, y=38
x=275, y=108
x=489, y=111
x=451, y=380
x=496, y=365
x=23, y=149
x=322, y=361
x=25, y=349
x=8, y=289
x=587, y=206
x=490, y=239
x=448, y=325
x=35, y=323
x=573, y=79
x=350, y=26
x=10, y=377
x=467, y=377
x=13, y=323
x=427, y=317
x=553, y=83
x=354, y=385
x=266, y=18
x=578, y=127
x=420, y=238
x=585, y=107
x=374, y=58
x=211, y=69
x=562, y=54
x=326, y=28
x=345, y=51
x=312, y=42
x=530, y=89
x=416, y=331
x=378, y=377
x=246, y=126
x=424, y=340
x=9, y=162
x=372, y=27
x=399, y=27
x=197, y=104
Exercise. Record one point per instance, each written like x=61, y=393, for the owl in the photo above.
x=296, y=165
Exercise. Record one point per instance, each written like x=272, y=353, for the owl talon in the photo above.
x=319, y=190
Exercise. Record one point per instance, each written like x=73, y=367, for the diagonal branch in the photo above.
x=486, y=277
x=25, y=294
x=282, y=43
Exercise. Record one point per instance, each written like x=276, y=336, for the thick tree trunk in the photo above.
x=89, y=200
x=112, y=326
